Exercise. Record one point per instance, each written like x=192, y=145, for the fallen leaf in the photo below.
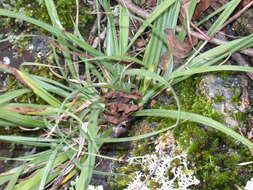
x=177, y=48
x=14, y=72
x=184, y=9
x=201, y=7
x=243, y=3
x=140, y=43
x=119, y=107
x=121, y=95
x=24, y=110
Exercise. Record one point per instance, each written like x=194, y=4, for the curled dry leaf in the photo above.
x=243, y=3
x=117, y=95
x=177, y=48
x=15, y=72
x=201, y=7
x=184, y=9
x=24, y=110
x=119, y=107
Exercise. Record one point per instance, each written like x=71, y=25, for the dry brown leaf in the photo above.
x=177, y=48
x=24, y=110
x=118, y=106
x=184, y=9
x=243, y=3
x=117, y=94
x=140, y=43
x=201, y=7
x=14, y=72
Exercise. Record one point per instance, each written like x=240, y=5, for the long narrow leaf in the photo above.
x=153, y=16
x=37, y=89
x=13, y=94
x=88, y=166
x=14, y=178
x=51, y=9
x=20, y=120
x=124, y=29
x=196, y=118
x=47, y=170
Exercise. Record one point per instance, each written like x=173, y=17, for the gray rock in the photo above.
x=40, y=46
x=222, y=91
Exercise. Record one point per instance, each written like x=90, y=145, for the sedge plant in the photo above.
x=73, y=109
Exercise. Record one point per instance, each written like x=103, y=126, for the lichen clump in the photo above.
x=157, y=169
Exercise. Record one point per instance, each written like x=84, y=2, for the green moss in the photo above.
x=218, y=99
x=224, y=74
x=144, y=146
x=138, y=148
x=216, y=156
x=122, y=181
x=66, y=11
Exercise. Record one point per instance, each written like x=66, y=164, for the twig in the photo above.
x=234, y=17
x=216, y=41
x=200, y=31
x=134, y=8
x=64, y=49
x=242, y=62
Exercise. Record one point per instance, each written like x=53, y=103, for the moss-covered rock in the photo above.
x=216, y=156
x=66, y=11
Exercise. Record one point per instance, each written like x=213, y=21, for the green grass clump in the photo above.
x=73, y=117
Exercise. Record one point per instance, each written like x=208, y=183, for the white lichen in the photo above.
x=158, y=168
x=6, y=60
x=249, y=185
x=92, y=187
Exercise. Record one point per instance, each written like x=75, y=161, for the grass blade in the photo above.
x=153, y=16
x=53, y=14
x=37, y=89
x=196, y=118
x=47, y=169
x=13, y=94
x=124, y=29
x=88, y=166
x=20, y=120
x=14, y=178
x=205, y=69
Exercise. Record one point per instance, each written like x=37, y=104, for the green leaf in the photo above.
x=19, y=119
x=39, y=90
x=14, y=177
x=47, y=169
x=124, y=29
x=152, y=17
x=89, y=163
x=196, y=118
x=51, y=9
x=12, y=94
